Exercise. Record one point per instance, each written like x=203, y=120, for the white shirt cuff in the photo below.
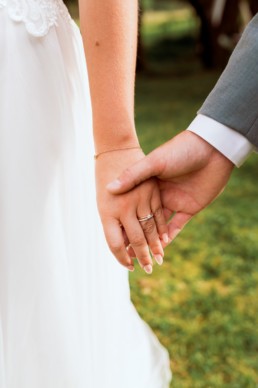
x=229, y=142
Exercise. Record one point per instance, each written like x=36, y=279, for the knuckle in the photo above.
x=127, y=175
x=115, y=247
x=158, y=213
x=160, y=161
x=144, y=260
x=155, y=246
x=137, y=240
x=148, y=227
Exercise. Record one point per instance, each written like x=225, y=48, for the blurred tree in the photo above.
x=221, y=23
x=253, y=6
x=141, y=62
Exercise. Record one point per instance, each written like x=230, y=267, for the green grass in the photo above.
x=167, y=23
x=202, y=303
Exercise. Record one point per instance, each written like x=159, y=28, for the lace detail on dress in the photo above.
x=37, y=15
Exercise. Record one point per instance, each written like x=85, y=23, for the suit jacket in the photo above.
x=234, y=99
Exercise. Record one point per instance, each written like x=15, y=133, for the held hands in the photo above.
x=126, y=236
x=191, y=175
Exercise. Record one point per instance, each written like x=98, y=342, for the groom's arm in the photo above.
x=228, y=119
x=232, y=144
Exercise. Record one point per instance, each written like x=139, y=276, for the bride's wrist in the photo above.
x=114, y=135
x=116, y=150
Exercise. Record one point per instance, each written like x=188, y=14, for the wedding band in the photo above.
x=146, y=218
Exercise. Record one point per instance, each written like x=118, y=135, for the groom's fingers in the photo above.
x=177, y=223
x=149, y=166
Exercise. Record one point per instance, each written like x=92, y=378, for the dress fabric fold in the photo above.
x=66, y=318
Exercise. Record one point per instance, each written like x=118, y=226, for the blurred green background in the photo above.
x=202, y=303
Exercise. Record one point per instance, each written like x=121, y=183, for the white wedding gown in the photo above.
x=66, y=319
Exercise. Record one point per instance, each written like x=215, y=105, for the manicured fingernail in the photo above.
x=128, y=247
x=165, y=238
x=159, y=259
x=131, y=268
x=114, y=185
x=148, y=268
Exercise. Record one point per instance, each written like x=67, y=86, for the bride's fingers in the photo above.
x=130, y=251
x=115, y=240
x=151, y=234
x=159, y=216
x=137, y=241
x=128, y=245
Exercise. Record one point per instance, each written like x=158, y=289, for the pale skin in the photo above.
x=191, y=174
x=109, y=32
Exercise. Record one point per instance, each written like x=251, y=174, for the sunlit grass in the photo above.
x=162, y=23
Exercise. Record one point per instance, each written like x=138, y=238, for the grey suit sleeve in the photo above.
x=234, y=99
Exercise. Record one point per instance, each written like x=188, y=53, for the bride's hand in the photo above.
x=119, y=213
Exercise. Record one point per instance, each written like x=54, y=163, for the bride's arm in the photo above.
x=109, y=31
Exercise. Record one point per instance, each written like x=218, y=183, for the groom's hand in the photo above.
x=191, y=175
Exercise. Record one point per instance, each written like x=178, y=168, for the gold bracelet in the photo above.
x=116, y=149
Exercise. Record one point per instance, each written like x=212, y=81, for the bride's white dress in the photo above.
x=66, y=319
